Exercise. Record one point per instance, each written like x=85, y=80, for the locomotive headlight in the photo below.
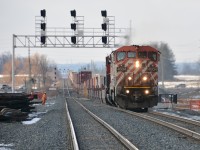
x=129, y=78
x=137, y=64
x=146, y=91
x=127, y=91
x=144, y=78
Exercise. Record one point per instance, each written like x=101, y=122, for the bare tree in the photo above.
x=7, y=69
x=35, y=63
x=4, y=58
x=43, y=66
x=40, y=68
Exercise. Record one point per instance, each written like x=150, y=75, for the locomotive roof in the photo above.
x=136, y=48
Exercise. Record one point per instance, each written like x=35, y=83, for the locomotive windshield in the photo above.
x=142, y=54
x=152, y=56
x=121, y=55
x=131, y=54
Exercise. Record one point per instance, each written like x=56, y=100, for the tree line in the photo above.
x=168, y=64
x=41, y=69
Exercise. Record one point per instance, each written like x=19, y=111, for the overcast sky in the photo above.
x=176, y=22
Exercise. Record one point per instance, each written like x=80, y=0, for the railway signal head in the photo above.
x=104, y=39
x=55, y=72
x=73, y=26
x=43, y=39
x=43, y=26
x=43, y=13
x=104, y=13
x=73, y=39
x=104, y=26
x=73, y=13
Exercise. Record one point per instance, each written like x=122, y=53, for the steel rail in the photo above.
x=193, y=122
x=73, y=135
x=181, y=130
x=120, y=137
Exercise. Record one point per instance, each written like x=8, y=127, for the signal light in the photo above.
x=73, y=26
x=73, y=39
x=43, y=26
x=175, y=98
x=104, y=13
x=73, y=13
x=55, y=72
x=43, y=13
x=104, y=39
x=43, y=39
x=104, y=26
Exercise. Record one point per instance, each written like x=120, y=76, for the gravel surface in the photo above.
x=90, y=134
x=49, y=133
x=143, y=134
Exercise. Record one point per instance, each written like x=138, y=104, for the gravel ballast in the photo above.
x=50, y=132
x=90, y=134
x=143, y=134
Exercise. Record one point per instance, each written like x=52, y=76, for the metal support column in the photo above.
x=29, y=62
x=13, y=66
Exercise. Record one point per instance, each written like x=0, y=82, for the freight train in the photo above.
x=131, y=80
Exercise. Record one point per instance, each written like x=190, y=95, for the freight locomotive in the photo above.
x=132, y=77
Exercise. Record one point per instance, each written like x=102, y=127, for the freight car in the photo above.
x=84, y=76
x=132, y=77
x=79, y=78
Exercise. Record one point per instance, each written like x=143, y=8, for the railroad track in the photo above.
x=136, y=129
x=181, y=119
x=179, y=127
x=121, y=143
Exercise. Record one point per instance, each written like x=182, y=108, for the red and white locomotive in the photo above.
x=132, y=77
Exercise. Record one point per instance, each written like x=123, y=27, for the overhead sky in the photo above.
x=176, y=22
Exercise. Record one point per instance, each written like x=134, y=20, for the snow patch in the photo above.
x=190, y=117
x=6, y=146
x=34, y=120
x=49, y=104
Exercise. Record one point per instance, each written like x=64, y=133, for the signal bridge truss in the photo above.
x=75, y=37
x=61, y=38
